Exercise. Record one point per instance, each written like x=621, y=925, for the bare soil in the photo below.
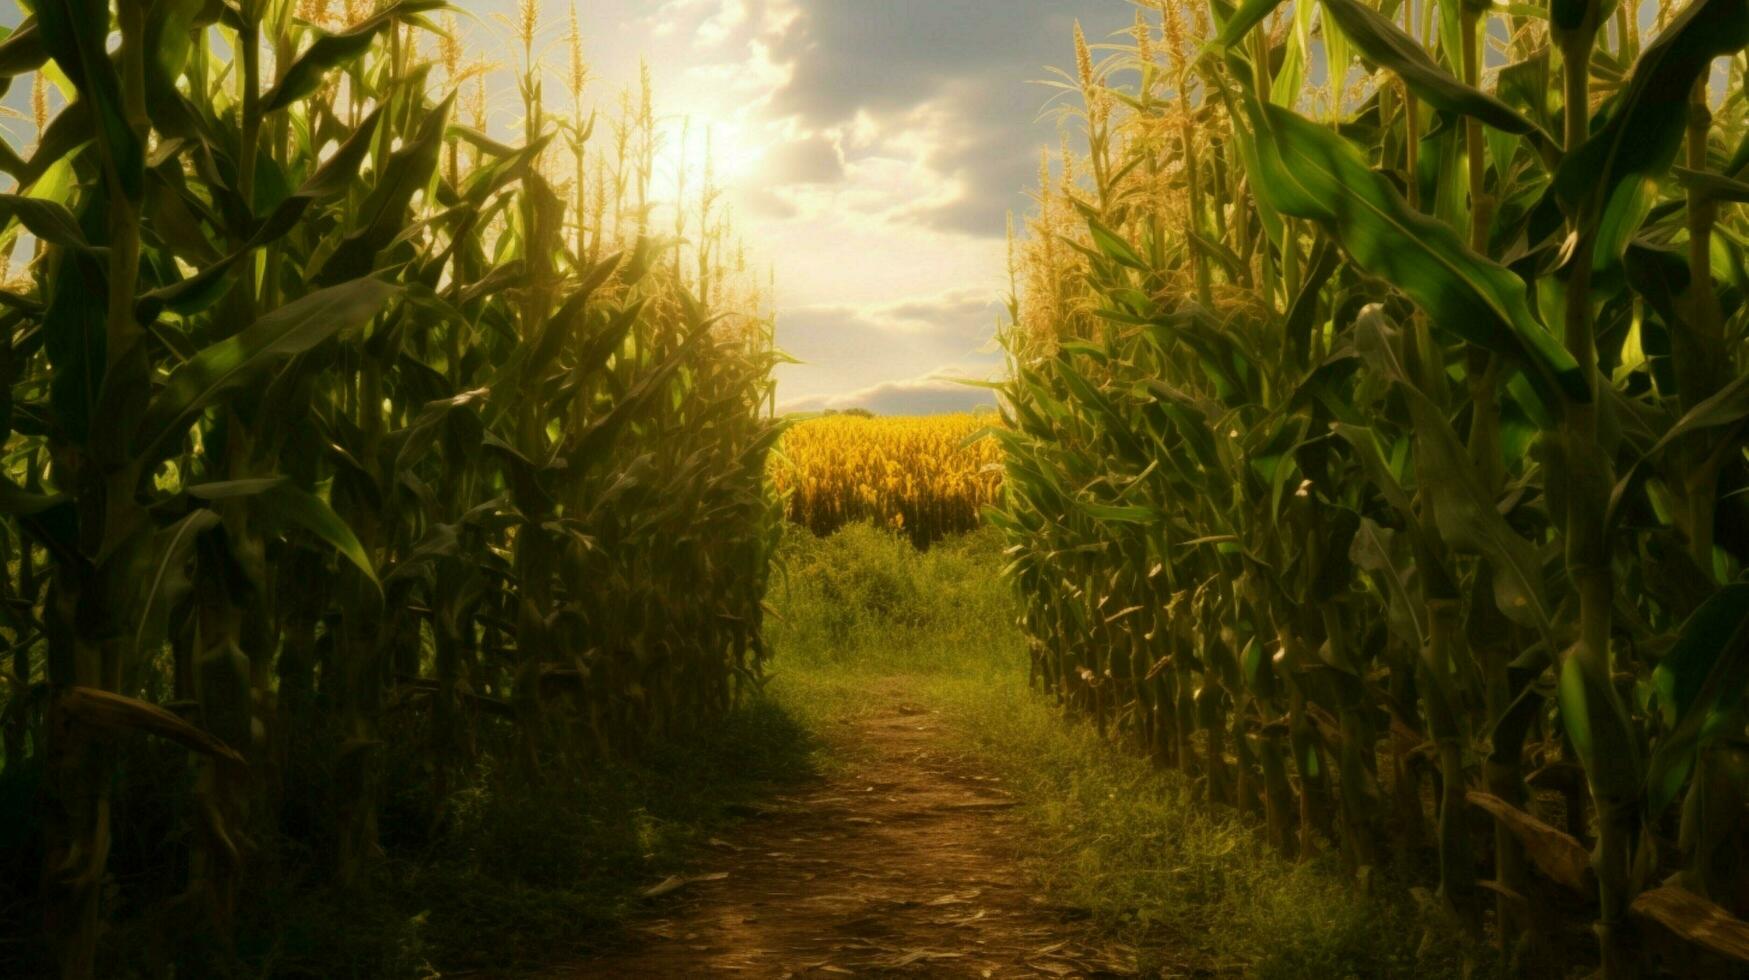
x=908, y=861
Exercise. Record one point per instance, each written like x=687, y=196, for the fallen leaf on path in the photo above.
x=669, y=884
x=918, y=955
x=980, y=805
x=952, y=899
x=674, y=883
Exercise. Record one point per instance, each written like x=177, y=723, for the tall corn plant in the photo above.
x=1390, y=426
x=313, y=429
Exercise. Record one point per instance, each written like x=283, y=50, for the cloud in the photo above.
x=769, y=204
x=939, y=84
x=935, y=393
x=961, y=321
x=893, y=357
x=707, y=23
x=810, y=160
x=720, y=26
x=970, y=307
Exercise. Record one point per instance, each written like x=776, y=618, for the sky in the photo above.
x=872, y=150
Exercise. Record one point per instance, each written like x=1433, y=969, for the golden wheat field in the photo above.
x=928, y=475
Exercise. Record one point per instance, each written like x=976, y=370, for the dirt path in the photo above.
x=904, y=864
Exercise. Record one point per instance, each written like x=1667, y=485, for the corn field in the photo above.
x=927, y=476
x=1378, y=445
x=334, y=422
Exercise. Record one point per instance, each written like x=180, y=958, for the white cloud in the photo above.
x=813, y=159
x=718, y=27
x=963, y=310
x=940, y=391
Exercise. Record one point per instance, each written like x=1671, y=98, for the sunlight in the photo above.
x=726, y=148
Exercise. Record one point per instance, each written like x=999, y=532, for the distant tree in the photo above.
x=861, y=413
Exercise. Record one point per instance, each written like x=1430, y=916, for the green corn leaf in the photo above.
x=410, y=443
x=1121, y=514
x=169, y=42
x=1090, y=396
x=1700, y=680
x=330, y=180
x=1713, y=187
x=1385, y=44
x=289, y=506
x=1251, y=155
x=292, y=329
x=1311, y=172
x=1374, y=550
x=75, y=33
x=1229, y=260
x=1729, y=406
x=337, y=173
x=1597, y=722
x=1467, y=517
x=165, y=577
x=607, y=340
x=592, y=445
x=1287, y=80
x=49, y=221
x=381, y=218
x=1190, y=421
x=22, y=51
x=331, y=51
x=15, y=501
x=1249, y=15
x=1299, y=323
x=1608, y=182
x=1257, y=669
x=1114, y=247
x=74, y=329
x=234, y=489
x=492, y=177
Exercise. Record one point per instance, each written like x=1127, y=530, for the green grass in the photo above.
x=1194, y=886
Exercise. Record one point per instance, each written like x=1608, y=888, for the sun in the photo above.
x=702, y=143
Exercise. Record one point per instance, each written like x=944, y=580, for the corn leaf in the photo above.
x=292, y=329
x=1698, y=683
x=1386, y=45
x=1311, y=172
x=1608, y=182
x=331, y=51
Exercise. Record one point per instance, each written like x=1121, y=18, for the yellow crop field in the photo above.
x=929, y=475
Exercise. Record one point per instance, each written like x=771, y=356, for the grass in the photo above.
x=1194, y=887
